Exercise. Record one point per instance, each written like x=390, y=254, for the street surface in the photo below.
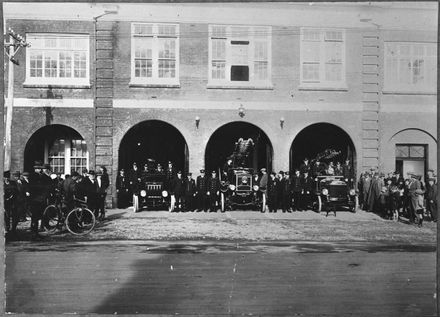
x=223, y=278
x=231, y=266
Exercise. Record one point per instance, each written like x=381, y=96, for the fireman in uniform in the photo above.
x=122, y=189
x=189, y=192
x=213, y=191
x=177, y=190
x=202, y=188
x=306, y=190
x=286, y=204
x=296, y=190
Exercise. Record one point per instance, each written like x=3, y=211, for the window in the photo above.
x=58, y=59
x=322, y=58
x=66, y=155
x=410, y=67
x=239, y=56
x=154, y=53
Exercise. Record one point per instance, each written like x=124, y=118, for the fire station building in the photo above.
x=112, y=84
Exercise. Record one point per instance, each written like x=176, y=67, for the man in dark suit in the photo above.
x=122, y=189
x=189, y=192
x=305, y=166
x=296, y=190
x=272, y=192
x=213, y=191
x=306, y=190
x=134, y=178
x=177, y=190
x=88, y=188
x=202, y=188
x=101, y=193
x=38, y=198
x=286, y=193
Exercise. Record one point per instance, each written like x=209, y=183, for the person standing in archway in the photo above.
x=189, y=192
x=213, y=191
x=347, y=172
x=296, y=190
x=202, y=188
x=37, y=198
x=272, y=192
x=178, y=191
x=134, y=178
x=122, y=189
x=170, y=174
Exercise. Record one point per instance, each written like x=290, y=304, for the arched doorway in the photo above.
x=222, y=144
x=153, y=139
x=319, y=137
x=60, y=146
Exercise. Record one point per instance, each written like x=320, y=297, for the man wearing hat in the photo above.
x=305, y=166
x=189, y=192
x=89, y=189
x=347, y=172
x=296, y=190
x=431, y=199
x=286, y=195
x=38, y=198
x=21, y=197
x=10, y=203
x=101, y=192
x=226, y=168
x=213, y=191
x=177, y=191
x=413, y=186
x=122, y=189
x=134, y=178
x=170, y=174
x=280, y=179
x=202, y=188
x=272, y=192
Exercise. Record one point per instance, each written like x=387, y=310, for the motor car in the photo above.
x=152, y=193
x=334, y=192
x=239, y=190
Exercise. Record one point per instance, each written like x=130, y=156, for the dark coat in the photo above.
x=177, y=186
x=190, y=187
x=307, y=184
x=213, y=185
x=202, y=184
x=296, y=184
x=272, y=187
x=122, y=183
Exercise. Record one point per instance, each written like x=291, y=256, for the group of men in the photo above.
x=29, y=193
x=392, y=195
x=282, y=191
x=188, y=194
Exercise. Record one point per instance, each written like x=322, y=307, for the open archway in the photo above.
x=156, y=140
x=319, y=137
x=221, y=145
x=60, y=146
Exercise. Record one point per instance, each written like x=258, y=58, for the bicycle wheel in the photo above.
x=51, y=218
x=80, y=221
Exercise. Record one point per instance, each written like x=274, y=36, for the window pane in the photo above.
x=311, y=72
x=333, y=52
x=65, y=64
x=50, y=64
x=402, y=151
x=36, y=64
x=50, y=43
x=218, y=70
x=311, y=35
x=260, y=51
x=218, y=49
x=143, y=29
x=333, y=36
x=260, y=70
x=333, y=72
x=310, y=52
x=166, y=29
x=239, y=53
x=167, y=69
x=218, y=31
x=167, y=48
x=416, y=151
x=79, y=64
x=143, y=47
x=239, y=73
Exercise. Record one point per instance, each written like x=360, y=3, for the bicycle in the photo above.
x=78, y=221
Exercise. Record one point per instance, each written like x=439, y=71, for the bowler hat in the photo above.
x=38, y=164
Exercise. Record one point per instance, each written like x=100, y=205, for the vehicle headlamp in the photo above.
x=255, y=187
x=164, y=193
x=352, y=192
x=232, y=187
x=143, y=193
x=325, y=191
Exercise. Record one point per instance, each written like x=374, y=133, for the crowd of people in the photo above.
x=28, y=194
x=392, y=196
x=283, y=190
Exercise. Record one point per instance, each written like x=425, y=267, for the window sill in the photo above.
x=402, y=92
x=323, y=88
x=241, y=87
x=64, y=86
x=145, y=85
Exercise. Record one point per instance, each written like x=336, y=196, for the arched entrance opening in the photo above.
x=156, y=140
x=60, y=146
x=318, y=138
x=223, y=141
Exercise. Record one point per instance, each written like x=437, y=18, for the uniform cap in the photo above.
x=281, y=172
x=263, y=169
x=202, y=171
x=213, y=172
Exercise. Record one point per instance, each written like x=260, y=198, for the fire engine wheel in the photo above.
x=317, y=205
x=222, y=202
x=135, y=203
